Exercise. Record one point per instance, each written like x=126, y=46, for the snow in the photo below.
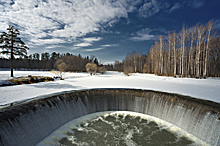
x=6, y=75
x=207, y=89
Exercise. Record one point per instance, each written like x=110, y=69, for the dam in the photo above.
x=29, y=122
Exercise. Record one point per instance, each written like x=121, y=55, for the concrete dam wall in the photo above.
x=28, y=123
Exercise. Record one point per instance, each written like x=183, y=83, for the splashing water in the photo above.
x=119, y=129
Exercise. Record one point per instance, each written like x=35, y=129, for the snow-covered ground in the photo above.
x=6, y=75
x=208, y=89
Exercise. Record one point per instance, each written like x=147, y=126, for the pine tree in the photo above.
x=13, y=45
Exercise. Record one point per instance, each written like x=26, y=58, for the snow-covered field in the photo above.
x=208, y=89
x=6, y=75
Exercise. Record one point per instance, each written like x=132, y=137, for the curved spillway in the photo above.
x=30, y=122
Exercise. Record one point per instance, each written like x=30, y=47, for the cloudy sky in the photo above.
x=108, y=29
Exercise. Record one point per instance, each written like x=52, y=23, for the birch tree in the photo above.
x=151, y=54
x=156, y=58
x=174, y=53
x=191, y=52
x=161, y=54
x=215, y=56
x=192, y=38
x=200, y=31
x=209, y=29
x=182, y=51
x=169, y=39
x=134, y=58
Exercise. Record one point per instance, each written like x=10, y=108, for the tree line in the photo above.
x=47, y=61
x=12, y=45
x=192, y=52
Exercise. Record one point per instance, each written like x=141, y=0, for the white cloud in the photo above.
x=130, y=5
x=147, y=34
x=87, y=42
x=143, y=35
x=83, y=45
x=196, y=3
x=46, y=41
x=3, y=26
x=109, y=45
x=91, y=50
x=54, y=46
x=149, y=8
x=175, y=7
x=75, y=48
x=166, y=5
x=96, y=29
x=106, y=45
x=60, y=19
x=92, y=39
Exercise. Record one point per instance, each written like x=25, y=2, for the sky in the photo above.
x=107, y=29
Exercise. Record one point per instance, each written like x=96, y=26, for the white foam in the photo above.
x=53, y=138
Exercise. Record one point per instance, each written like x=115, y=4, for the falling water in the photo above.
x=30, y=122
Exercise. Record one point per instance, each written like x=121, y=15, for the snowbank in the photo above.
x=207, y=89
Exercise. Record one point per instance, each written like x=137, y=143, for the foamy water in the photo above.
x=119, y=128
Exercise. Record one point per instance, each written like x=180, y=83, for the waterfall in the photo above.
x=30, y=122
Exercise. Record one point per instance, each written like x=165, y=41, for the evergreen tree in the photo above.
x=13, y=45
x=96, y=61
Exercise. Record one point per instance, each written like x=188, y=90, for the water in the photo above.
x=30, y=122
x=120, y=129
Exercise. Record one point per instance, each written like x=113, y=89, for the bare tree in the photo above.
x=91, y=68
x=128, y=69
x=161, y=54
x=101, y=69
x=156, y=58
x=174, y=53
x=134, y=58
x=198, y=49
x=192, y=38
x=210, y=26
x=169, y=39
x=191, y=52
x=182, y=51
x=215, y=56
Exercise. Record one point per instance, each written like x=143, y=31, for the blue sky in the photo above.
x=108, y=29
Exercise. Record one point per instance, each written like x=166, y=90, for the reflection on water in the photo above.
x=120, y=129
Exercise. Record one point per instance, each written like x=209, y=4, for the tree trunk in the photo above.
x=12, y=62
x=183, y=51
x=152, y=62
x=161, y=55
x=12, y=57
x=191, y=61
x=174, y=55
x=180, y=63
x=169, y=66
x=198, y=53
x=207, y=48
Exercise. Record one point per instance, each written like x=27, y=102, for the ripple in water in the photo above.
x=119, y=129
